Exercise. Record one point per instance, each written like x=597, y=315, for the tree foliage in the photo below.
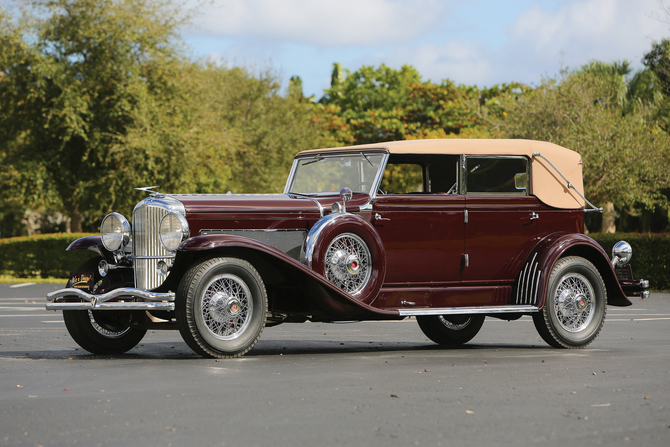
x=384, y=104
x=625, y=154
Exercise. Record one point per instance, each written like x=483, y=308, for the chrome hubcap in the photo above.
x=574, y=302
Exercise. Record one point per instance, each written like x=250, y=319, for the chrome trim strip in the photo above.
x=154, y=257
x=310, y=242
x=467, y=310
x=229, y=230
x=375, y=183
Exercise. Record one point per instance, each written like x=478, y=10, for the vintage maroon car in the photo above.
x=447, y=231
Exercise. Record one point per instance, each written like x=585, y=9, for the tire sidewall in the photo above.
x=191, y=324
x=588, y=271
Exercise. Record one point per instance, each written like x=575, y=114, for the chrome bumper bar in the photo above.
x=155, y=301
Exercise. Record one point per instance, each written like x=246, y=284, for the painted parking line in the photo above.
x=25, y=284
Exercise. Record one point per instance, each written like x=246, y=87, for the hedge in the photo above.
x=45, y=255
x=42, y=255
x=651, y=255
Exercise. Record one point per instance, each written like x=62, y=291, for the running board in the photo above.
x=404, y=312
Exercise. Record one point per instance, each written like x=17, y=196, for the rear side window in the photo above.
x=496, y=175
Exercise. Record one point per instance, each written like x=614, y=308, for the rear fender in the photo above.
x=533, y=280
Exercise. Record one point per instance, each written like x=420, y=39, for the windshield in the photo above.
x=328, y=174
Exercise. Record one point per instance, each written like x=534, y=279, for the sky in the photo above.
x=472, y=42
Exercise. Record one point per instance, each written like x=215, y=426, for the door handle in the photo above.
x=378, y=217
x=534, y=216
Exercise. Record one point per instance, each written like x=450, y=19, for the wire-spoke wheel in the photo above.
x=450, y=330
x=348, y=263
x=98, y=331
x=221, y=306
x=575, y=309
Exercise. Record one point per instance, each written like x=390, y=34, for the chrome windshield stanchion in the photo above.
x=153, y=300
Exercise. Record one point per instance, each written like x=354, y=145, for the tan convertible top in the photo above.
x=546, y=184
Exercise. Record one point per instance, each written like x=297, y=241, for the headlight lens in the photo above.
x=173, y=231
x=115, y=231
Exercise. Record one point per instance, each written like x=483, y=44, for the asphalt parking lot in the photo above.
x=371, y=383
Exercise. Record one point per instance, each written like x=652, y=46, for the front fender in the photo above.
x=533, y=280
x=332, y=301
x=93, y=243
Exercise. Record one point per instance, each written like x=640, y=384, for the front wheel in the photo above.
x=221, y=307
x=101, y=332
x=451, y=330
x=575, y=309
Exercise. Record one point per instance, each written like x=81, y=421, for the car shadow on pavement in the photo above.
x=180, y=351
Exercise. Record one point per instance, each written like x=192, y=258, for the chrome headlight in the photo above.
x=115, y=231
x=621, y=253
x=173, y=231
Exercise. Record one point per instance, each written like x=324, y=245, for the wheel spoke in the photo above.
x=573, y=304
x=226, y=307
x=348, y=263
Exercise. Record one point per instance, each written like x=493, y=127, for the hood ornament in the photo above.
x=148, y=189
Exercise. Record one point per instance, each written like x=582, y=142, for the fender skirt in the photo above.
x=533, y=280
x=328, y=299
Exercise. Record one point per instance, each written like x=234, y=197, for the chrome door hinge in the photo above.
x=465, y=216
x=466, y=260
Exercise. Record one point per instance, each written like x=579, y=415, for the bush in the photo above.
x=42, y=255
x=651, y=255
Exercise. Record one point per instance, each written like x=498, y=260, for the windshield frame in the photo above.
x=375, y=183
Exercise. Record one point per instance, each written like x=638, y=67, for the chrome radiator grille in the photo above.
x=147, y=247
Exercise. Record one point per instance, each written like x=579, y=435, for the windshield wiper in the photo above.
x=366, y=157
x=317, y=158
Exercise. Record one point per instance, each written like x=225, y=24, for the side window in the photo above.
x=403, y=178
x=496, y=175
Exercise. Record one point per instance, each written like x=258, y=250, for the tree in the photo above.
x=93, y=95
x=383, y=104
x=625, y=154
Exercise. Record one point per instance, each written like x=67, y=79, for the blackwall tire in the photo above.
x=575, y=308
x=450, y=330
x=101, y=332
x=221, y=307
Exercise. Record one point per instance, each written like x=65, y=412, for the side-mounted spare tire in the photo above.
x=348, y=252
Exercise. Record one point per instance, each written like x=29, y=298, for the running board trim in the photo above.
x=467, y=310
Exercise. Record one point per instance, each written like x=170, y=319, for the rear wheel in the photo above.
x=575, y=309
x=451, y=330
x=221, y=307
x=101, y=332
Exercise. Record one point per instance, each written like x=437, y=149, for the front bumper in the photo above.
x=124, y=299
